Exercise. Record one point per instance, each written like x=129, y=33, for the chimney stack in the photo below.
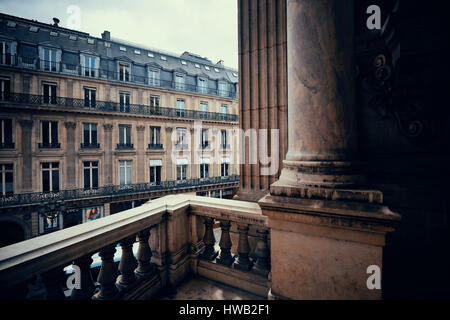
x=56, y=21
x=106, y=35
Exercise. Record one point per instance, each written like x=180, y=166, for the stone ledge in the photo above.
x=243, y=280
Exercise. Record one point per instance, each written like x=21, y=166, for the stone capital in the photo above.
x=108, y=126
x=70, y=124
x=140, y=128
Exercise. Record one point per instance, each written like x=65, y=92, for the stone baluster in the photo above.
x=127, y=264
x=107, y=276
x=225, y=257
x=87, y=287
x=243, y=262
x=262, y=264
x=209, y=240
x=53, y=281
x=144, y=255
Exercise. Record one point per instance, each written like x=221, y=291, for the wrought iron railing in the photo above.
x=32, y=99
x=7, y=145
x=90, y=145
x=105, y=74
x=113, y=190
x=124, y=146
x=155, y=146
x=49, y=145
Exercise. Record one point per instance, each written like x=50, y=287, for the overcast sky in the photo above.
x=205, y=27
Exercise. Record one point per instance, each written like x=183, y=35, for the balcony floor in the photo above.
x=199, y=288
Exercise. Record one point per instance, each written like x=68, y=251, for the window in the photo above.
x=90, y=41
x=203, y=106
x=224, y=167
x=181, y=169
x=49, y=93
x=204, y=168
x=163, y=58
x=153, y=77
x=49, y=134
x=6, y=54
x=89, y=66
x=124, y=136
x=6, y=134
x=202, y=85
x=180, y=107
x=90, y=175
x=207, y=68
x=90, y=136
x=224, y=111
x=150, y=55
x=204, y=139
x=124, y=72
x=154, y=101
x=50, y=177
x=7, y=179
x=53, y=33
x=179, y=82
x=137, y=51
x=216, y=70
x=125, y=171
x=223, y=89
x=122, y=48
x=197, y=65
x=124, y=101
x=5, y=89
x=72, y=37
x=33, y=29
x=155, y=171
x=89, y=97
x=155, y=137
x=183, y=63
x=181, y=138
x=224, y=139
x=50, y=63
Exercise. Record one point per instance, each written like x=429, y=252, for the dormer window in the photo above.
x=90, y=41
x=179, y=82
x=124, y=71
x=53, y=33
x=50, y=62
x=107, y=45
x=235, y=74
x=197, y=65
x=11, y=24
x=33, y=29
x=163, y=58
x=71, y=37
x=150, y=55
x=153, y=77
x=207, y=68
x=183, y=63
x=216, y=70
x=137, y=51
x=122, y=49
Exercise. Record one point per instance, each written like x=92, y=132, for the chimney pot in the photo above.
x=106, y=35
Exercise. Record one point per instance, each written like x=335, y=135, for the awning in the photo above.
x=155, y=163
x=205, y=161
x=225, y=160
x=182, y=161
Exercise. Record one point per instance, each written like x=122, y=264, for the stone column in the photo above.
x=70, y=155
x=27, y=149
x=108, y=147
x=322, y=133
x=141, y=177
x=326, y=229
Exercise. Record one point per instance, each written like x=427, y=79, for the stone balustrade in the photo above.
x=175, y=238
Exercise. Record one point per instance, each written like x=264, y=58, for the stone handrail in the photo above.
x=173, y=251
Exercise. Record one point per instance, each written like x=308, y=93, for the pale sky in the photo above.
x=205, y=27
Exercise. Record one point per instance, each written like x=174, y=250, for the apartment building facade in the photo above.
x=92, y=126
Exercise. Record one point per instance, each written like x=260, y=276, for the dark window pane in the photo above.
x=54, y=132
x=95, y=178
x=55, y=180
x=45, y=132
x=87, y=180
x=45, y=181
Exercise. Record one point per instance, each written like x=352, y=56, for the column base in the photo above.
x=321, y=249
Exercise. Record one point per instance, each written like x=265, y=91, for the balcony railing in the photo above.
x=125, y=146
x=116, y=190
x=90, y=145
x=155, y=146
x=64, y=102
x=7, y=145
x=171, y=246
x=49, y=145
x=111, y=75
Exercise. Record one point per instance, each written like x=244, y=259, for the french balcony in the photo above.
x=49, y=145
x=90, y=145
x=182, y=146
x=125, y=146
x=7, y=145
x=155, y=146
x=11, y=99
x=159, y=244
